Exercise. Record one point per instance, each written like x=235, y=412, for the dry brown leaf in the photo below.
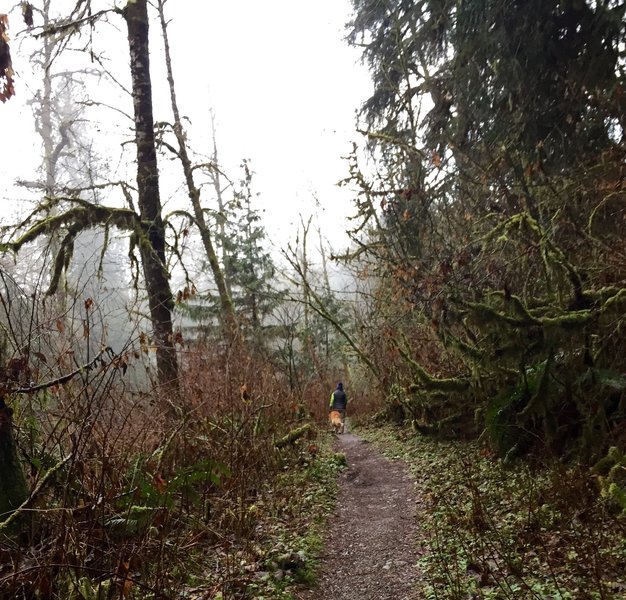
x=6, y=70
x=160, y=484
x=27, y=13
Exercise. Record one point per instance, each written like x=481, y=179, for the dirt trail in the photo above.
x=371, y=549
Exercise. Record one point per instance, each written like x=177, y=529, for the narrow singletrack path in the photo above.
x=371, y=550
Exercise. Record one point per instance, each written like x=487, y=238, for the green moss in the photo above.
x=430, y=383
x=484, y=314
x=73, y=221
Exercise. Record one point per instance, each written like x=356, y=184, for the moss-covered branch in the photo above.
x=427, y=381
x=292, y=436
x=79, y=218
x=550, y=252
x=75, y=220
x=484, y=313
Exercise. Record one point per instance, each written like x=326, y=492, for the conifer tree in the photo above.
x=249, y=266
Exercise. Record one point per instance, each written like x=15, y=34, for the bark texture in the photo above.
x=153, y=249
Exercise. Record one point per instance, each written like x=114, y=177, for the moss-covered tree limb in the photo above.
x=519, y=308
x=483, y=313
x=615, y=302
x=79, y=218
x=550, y=251
x=75, y=220
x=471, y=352
x=292, y=436
x=427, y=381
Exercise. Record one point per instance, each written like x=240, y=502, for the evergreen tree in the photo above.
x=249, y=266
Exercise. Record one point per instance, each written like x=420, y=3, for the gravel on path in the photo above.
x=371, y=550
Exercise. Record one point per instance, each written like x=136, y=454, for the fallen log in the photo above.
x=292, y=436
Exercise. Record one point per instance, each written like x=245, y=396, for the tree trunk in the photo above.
x=13, y=490
x=52, y=150
x=153, y=250
x=229, y=319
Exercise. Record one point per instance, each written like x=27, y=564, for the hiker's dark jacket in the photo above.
x=338, y=400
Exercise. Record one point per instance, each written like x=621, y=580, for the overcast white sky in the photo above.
x=283, y=85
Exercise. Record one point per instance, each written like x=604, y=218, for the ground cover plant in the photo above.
x=492, y=530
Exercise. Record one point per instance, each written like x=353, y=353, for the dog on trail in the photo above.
x=336, y=421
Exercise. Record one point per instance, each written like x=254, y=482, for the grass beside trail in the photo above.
x=290, y=515
x=496, y=532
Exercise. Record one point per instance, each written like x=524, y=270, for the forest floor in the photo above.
x=370, y=551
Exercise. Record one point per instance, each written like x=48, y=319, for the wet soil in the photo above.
x=371, y=550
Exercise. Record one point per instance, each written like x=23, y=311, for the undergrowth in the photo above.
x=135, y=497
x=498, y=532
x=290, y=538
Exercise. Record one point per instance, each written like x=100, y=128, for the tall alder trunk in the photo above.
x=228, y=317
x=327, y=291
x=153, y=249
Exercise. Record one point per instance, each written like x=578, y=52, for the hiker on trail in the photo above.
x=339, y=401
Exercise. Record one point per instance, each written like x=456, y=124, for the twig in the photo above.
x=60, y=380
